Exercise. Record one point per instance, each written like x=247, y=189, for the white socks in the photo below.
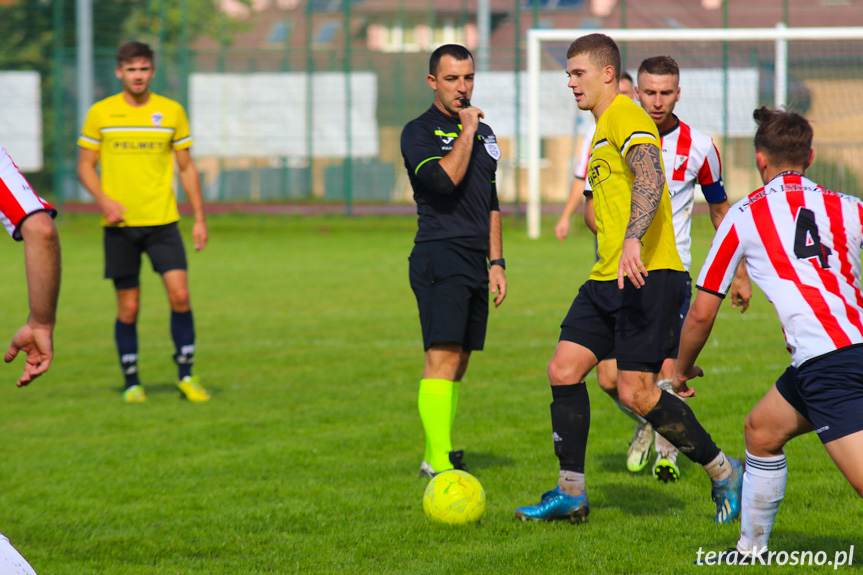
x=571, y=482
x=763, y=490
x=719, y=469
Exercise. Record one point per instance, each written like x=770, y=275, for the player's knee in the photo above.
x=39, y=224
x=560, y=372
x=128, y=317
x=443, y=362
x=628, y=398
x=606, y=376
x=762, y=439
x=179, y=299
x=607, y=383
x=638, y=400
x=127, y=311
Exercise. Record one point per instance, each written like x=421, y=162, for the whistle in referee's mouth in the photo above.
x=465, y=103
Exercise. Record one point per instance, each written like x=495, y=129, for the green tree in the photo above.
x=176, y=21
x=40, y=35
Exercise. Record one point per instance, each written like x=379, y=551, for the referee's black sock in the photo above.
x=676, y=422
x=570, y=423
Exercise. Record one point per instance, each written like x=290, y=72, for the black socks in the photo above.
x=570, y=423
x=676, y=422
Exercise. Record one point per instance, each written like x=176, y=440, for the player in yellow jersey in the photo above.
x=577, y=192
x=135, y=135
x=631, y=302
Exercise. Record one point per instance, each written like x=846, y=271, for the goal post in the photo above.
x=779, y=37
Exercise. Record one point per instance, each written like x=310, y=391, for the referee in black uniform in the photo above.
x=451, y=160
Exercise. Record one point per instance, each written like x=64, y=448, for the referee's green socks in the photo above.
x=455, y=386
x=437, y=403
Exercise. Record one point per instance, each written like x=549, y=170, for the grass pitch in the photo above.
x=306, y=459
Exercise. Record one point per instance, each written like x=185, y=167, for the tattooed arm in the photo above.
x=643, y=160
x=646, y=166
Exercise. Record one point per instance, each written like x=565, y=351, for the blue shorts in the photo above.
x=451, y=286
x=828, y=392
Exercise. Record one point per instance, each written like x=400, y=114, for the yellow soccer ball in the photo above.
x=454, y=497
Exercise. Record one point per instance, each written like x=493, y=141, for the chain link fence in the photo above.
x=304, y=100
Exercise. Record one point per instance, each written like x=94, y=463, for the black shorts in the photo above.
x=687, y=299
x=638, y=327
x=828, y=392
x=684, y=309
x=124, y=246
x=451, y=287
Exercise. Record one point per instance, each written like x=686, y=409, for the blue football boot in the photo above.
x=728, y=493
x=556, y=504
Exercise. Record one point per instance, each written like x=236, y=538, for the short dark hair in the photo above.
x=626, y=76
x=457, y=51
x=601, y=49
x=132, y=50
x=784, y=137
x=660, y=66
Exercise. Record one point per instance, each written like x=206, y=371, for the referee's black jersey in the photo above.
x=459, y=215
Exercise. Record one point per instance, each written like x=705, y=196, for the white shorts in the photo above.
x=11, y=562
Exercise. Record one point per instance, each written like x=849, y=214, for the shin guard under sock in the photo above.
x=676, y=422
x=455, y=387
x=435, y=406
x=763, y=491
x=126, y=337
x=570, y=423
x=183, y=334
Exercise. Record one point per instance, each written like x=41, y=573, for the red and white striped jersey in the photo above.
x=17, y=199
x=802, y=247
x=689, y=158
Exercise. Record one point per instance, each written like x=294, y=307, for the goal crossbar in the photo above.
x=781, y=35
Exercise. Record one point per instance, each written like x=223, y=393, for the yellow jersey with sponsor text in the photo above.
x=135, y=146
x=623, y=125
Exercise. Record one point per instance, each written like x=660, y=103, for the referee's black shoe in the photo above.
x=455, y=457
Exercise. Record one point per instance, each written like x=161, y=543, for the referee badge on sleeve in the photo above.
x=491, y=147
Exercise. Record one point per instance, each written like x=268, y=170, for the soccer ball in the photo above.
x=454, y=497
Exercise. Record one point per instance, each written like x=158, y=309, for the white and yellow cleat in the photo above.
x=638, y=455
x=191, y=389
x=665, y=469
x=134, y=394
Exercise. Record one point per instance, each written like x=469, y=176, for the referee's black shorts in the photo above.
x=124, y=246
x=451, y=286
x=638, y=327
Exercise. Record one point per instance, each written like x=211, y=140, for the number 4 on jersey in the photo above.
x=807, y=241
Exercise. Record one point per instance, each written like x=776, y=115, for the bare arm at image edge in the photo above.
x=42, y=259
